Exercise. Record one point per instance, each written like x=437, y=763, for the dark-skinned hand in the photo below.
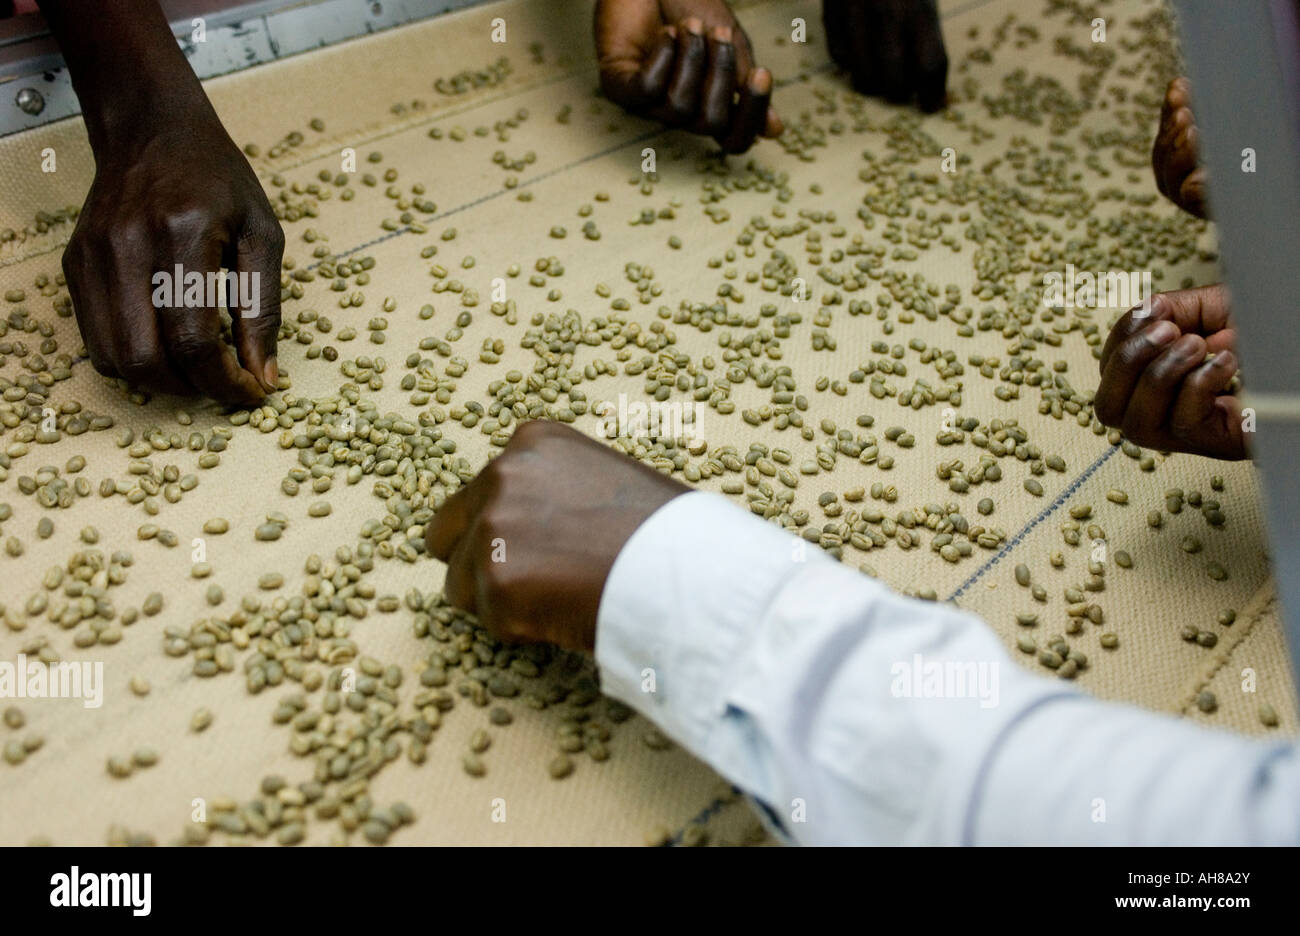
x=170, y=188
x=687, y=63
x=890, y=48
x=1156, y=385
x=557, y=507
x=1175, y=156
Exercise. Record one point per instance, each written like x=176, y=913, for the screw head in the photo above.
x=30, y=101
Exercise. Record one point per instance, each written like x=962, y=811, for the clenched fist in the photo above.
x=530, y=542
x=1158, y=387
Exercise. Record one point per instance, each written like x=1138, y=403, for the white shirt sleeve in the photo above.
x=858, y=716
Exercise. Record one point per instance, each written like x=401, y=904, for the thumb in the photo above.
x=773, y=126
x=256, y=325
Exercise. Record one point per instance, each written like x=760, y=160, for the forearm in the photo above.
x=126, y=67
x=812, y=688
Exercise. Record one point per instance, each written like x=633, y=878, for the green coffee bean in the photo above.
x=1267, y=715
x=200, y=720
x=144, y=757
x=1206, y=701
x=1022, y=575
x=267, y=532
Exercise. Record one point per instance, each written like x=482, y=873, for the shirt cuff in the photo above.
x=687, y=586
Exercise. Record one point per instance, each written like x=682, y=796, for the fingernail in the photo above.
x=271, y=373
x=1161, y=333
x=1226, y=360
x=722, y=34
x=694, y=26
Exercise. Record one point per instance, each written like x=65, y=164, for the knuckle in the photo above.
x=74, y=255
x=679, y=111
x=1133, y=429
x=101, y=363
x=528, y=433
x=124, y=245
x=181, y=222
x=1130, y=352
x=615, y=87
x=1105, y=406
x=271, y=234
x=1161, y=307
x=491, y=529
x=714, y=124
x=189, y=348
x=1184, y=425
x=140, y=364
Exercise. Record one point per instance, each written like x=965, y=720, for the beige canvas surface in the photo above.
x=376, y=94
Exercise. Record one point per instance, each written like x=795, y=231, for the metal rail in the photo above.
x=35, y=88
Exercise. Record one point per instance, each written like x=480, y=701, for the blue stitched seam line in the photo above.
x=707, y=813
x=493, y=195
x=1046, y=512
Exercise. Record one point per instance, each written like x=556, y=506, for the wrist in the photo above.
x=127, y=69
